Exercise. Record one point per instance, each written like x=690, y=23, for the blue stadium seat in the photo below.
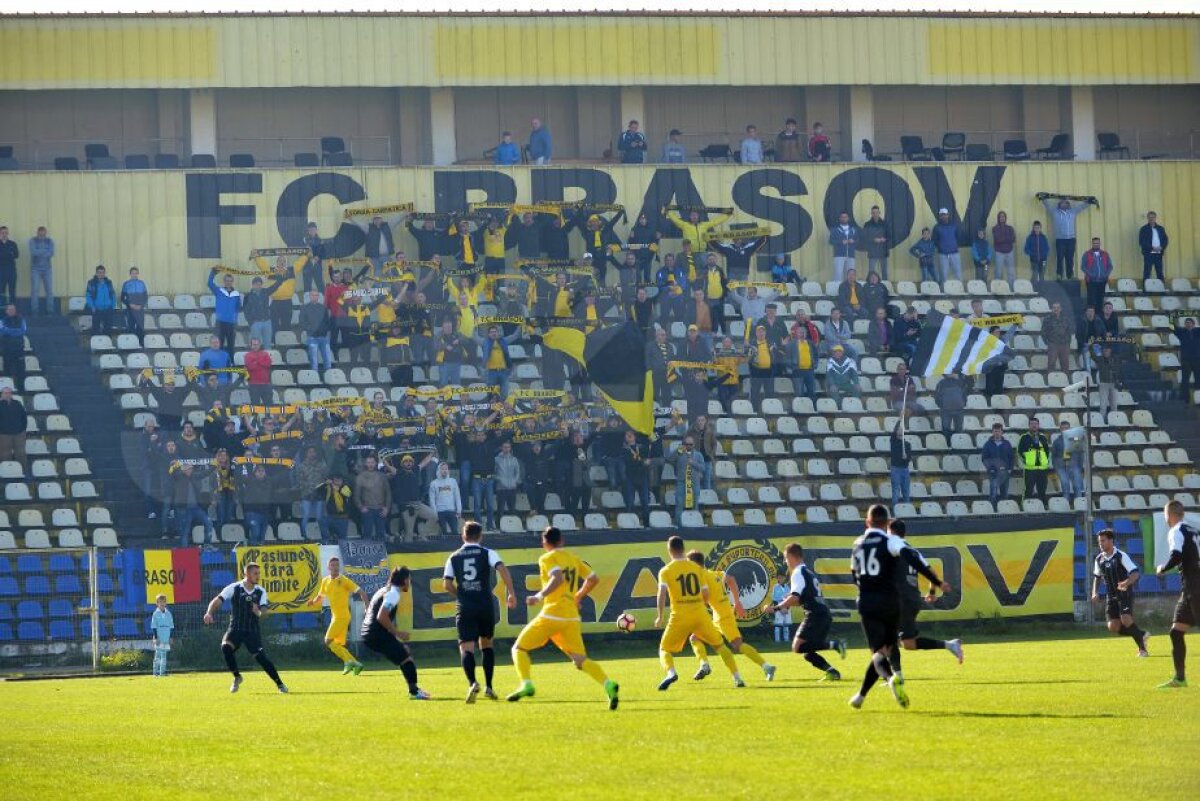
x=62, y=563
x=125, y=627
x=6, y=632
x=37, y=585
x=105, y=584
x=1123, y=525
x=29, y=563
x=118, y=560
x=1133, y=546
x=85, y=628
x=30, y=610
x=280, y=622
x=30, y=631
x=85, y=561
x=304, y=621
x=1148, y=584
x=62, y=630
x=9, y=587
x=5, y=567
x=220, y=579
x=123, y=607
x=6, y=612
x=61, y=608
x=210, y=558
x=1173, y=582
x=68, y=584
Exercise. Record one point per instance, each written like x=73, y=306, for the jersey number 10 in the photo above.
x=689, y=584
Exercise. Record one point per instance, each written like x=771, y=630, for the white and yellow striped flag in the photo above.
x=952, y=345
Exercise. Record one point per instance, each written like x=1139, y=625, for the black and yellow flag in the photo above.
x=615, y=359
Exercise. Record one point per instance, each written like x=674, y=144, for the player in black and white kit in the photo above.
x=911, y=604
x=1119, y=574
x=1183, y=542
x=379, y=632
x=813, y=634
x=247, y=602
x=875, y=562
x=468, y=577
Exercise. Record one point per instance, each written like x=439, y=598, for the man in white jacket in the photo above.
x=445, y=499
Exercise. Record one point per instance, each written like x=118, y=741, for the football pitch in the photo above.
x=1072, y=718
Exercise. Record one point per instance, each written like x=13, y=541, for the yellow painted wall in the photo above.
x=139, y=218
x=366, y=50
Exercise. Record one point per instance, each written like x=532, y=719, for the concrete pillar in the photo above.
x=862, y=119
x=1083, y=123
x=441, y=126
x=202, y=121
x=171, y=132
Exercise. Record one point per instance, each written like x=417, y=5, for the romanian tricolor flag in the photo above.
x=174, y=573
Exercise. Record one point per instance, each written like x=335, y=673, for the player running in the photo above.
x=911, y=604
x=247, y=603
x=338, y=588
x=813, y=634
x=468, y=577
x=722, y=587
x=685, y=583
x=875, y=562
x=1183, y=542
x=1119, y=574
x=379, y=632
x=566, y=581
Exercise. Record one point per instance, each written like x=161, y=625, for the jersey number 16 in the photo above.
x=866, y=562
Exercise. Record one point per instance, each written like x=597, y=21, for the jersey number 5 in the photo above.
x=866, y=562
x=469, y=573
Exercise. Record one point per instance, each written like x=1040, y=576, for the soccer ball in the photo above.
x=626, y=622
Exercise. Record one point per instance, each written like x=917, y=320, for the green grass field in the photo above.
x=1075, y=718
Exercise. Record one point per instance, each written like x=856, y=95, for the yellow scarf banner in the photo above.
x=278, y=436
x=1001, y=320
x=734, y=234
x=221, y=268
x=191, y=373
x=758, y=285
x=379, y=211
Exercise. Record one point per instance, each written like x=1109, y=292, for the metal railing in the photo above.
x=1143, y=142
x=279, y=151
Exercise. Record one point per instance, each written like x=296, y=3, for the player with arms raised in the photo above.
x=685, y=583
x=813, y=634
x=1119, y=574
x=379, y=632
x=722, y=587
x=566, y=581
x=247, y=603
x=1183, y=542
x=875, y=563
x=337, y=589
x=911, y=604
x=468, y=577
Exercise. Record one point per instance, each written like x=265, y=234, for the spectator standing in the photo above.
x=228, y=305
x=1066, y=454
x=850, y=299
x=751, y=147
x=789, y=143
x=9, y=253
x=1088, y=333
x=1034, y=451
x=373, y=494
x=924, y=251
x=729, y=383
x=689, y=470
x=1037, y=248
x=877, y=239
x=335, y=523
x=190, y=505
x=998, y=462
x=1107, y=377
x=673, y=151
x=13, y=423
x=945, y=239
x=1004, y=238
x=634, y=455
x=134, y=296
x=256, y=305
x=1096, y=267
x=258, y=373
x=100, y=299
x=576, y=475
x=507, y=153
x=763, y=358
x=168, y=400
x=1062, y=213
x=841, y=375
x=41, y=264
x=508, y=473
x=843, y=238
x=256, y=495
x=537, y=468
x=315, y=323
x=282, y=292
x=981, y=255
x=215, y=359
x=705, y=437
x=416, y=516
x=1189, y=355
x=312, y=273
x=541, y=148
x=496, y=360
x=1153, y=240
x=12, y=345
x=378, y=244
x=901, y=460
x=819, y=148
x=311, y=475
x=951, y=397
x=632, y=144
x=1056, y=331
x=804, y=364
x=738, y=254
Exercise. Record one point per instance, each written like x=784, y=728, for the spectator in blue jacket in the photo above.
x=215, y=359
x=41, y=255
x=632, y=145
x=229, y=305
x=507, y=152
x=843, y=237
x=981, y=254
x=672, y=283
x=133, y=297
x=100, y=299
x=782, y=271
x=12, y=346
x=540, y=146
x=1037, y=248
x=998, y=461
x=945, y=238
x=924, y=251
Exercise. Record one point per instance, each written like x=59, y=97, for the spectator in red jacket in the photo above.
x=258, y=373
x=1004, y=238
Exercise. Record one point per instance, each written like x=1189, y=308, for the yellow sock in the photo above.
x=699, y=650
x=524, y=664
x=667, y=660
x=751, y=653
x=341, y=653
x=594, y=670
x=727, y=657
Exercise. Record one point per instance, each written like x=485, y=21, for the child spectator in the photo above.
x=1037, y=248
x=924, y=250
x=981, y=254
x=507, y=152
x=162, y=628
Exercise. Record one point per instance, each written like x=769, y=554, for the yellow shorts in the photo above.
x=680, y=627
x=728, y=626
x=567, y=635
x=338, y=626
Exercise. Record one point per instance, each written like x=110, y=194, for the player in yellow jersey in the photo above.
x=566, y=581
x=684, y=583
x=337, y=589
x=725, y=614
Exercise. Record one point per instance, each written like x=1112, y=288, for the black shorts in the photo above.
x=1118, y=604
x=815, y=628
x=474, y=622
x=880, y=620
x=250, y=639
x=909, y=609
x=392, y=649
x=1187, y=611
